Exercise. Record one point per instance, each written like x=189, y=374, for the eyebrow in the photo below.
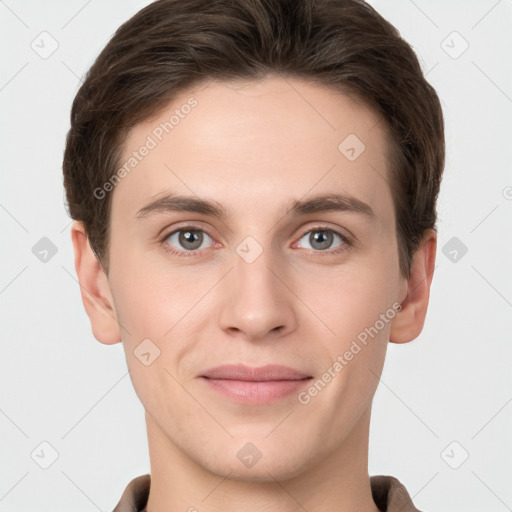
x=315, y=204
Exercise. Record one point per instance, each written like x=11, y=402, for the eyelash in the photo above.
x=187, y=254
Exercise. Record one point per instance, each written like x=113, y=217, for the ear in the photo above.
x=408, y=323
x=94, y=288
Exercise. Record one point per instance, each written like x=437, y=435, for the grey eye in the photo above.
x=188, y=239
x=321, y=239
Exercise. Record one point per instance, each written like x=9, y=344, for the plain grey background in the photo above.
x=442, y=413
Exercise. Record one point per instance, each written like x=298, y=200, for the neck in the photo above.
x=339, y=482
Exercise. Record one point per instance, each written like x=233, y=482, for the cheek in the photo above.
x=356, y=302
x=151, y=307
x=349, y=297
x=148, y=296
x=358, y=307
x=161, y=312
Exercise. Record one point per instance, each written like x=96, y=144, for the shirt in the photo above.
x=388, y=493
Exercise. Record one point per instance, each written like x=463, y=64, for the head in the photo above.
x=266, y=123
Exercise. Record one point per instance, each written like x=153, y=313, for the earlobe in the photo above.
x=94, y=288
x=408, y=323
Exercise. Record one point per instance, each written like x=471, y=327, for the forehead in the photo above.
x=254, y=145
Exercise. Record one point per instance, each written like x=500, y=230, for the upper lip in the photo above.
x=258, y=374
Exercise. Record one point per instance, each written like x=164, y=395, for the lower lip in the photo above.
x=252, y=392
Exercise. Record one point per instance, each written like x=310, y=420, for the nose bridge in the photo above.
x=253, y=264
x=257, y=301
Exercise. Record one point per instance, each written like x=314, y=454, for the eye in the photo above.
x=321, y=239
x=189, y=240
x=186, y=240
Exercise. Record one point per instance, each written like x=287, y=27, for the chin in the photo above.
x=260, y=460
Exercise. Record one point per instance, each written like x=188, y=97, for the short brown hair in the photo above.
x=173, y=44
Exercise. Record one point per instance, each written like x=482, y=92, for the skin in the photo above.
x=254, y=147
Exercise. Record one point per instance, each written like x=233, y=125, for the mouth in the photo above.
x=269, y=372
x=255, y=385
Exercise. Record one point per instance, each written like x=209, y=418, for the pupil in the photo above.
x=187, y=237
x=323, y=238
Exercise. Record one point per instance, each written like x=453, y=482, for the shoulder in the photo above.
x=390, y=495
x=135, y=495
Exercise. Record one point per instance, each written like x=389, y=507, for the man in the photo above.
x=254, y=184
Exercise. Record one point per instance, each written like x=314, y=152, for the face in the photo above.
x=300, y=270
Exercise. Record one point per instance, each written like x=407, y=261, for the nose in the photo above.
x=257, y=302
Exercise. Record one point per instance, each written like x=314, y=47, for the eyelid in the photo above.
x=321, y=227
x=187, y=226
x=191, y=224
